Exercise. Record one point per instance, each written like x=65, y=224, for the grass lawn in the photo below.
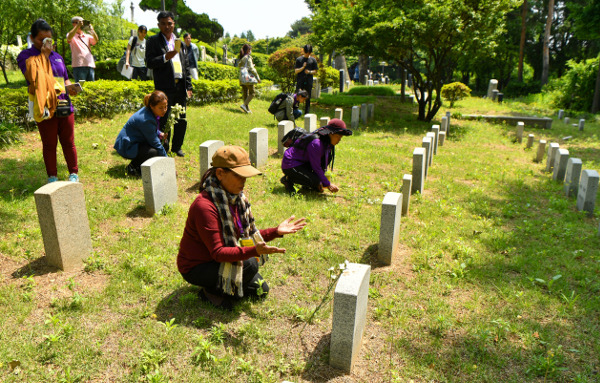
x=496, y=278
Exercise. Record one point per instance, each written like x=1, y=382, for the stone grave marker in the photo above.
x=418, y=170
x=259, y=147
x=520, y=128
x=493, y=85
x=427, y=146
x=342, y=80
x=581, y=123
x=441, y=138
x=444, y=126
x=370, y=111
x=310, y=122
x=433, y=146
x=207, y=150
x=366, y=78
x=540, y=151
x=202, y=53
x=561, y=114
x=530, y=141
x=160, y=183
x=323, y=121
x=363, y=113
x=64, y=224
x=349, y=316
x=435, y=129
x=339, y=113
x=283, y=128
x=552, y=150
x=371, y=83
x=406, y=191
x=567, y=120
x=495, y=93
x=355, y=117
x=588, y=187
x=560, y=165
x=574, y=166
x=391, y=211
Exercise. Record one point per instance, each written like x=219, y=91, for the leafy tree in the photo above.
x=425, y=37
x=300, y=27
x=282, y=62
x=455, y=91
x=250, y=36
x=243, y=36
x=201, y=26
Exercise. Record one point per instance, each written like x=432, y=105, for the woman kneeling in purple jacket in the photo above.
x=306, y=161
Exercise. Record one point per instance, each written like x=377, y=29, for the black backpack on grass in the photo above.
x=277, y=102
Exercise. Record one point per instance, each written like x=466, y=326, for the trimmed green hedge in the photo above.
x=371, y=90
x=215, y=72
x=106, y=98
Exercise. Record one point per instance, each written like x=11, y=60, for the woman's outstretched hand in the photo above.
x=263, y=248
x=290, y=226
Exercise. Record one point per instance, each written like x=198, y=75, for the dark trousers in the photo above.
x=176, y=96
x=303, y=175
x=141, y=73
x=58, y=129
x=307, y=86
x=145, y=152
x=206, y=275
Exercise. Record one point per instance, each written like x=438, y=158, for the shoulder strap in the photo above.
x=88, y=47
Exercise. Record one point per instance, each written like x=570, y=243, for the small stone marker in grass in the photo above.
x=391, y=211
x=552, y=150
x=64, y=224
x=406, y=191
x=530, y=141
x=282, y=129
x=435, y=129
x=574, y=166
x=310, y=122
x=442, y=138
x=160, y=183
x=323, y=121
x=433, y=145
x=418, y=170
x=364, y=118
x=560, y=165
x=520, y=129
x=539, y=157
x=339, y=113
x=588, y=187
x=207, y=150
x=561, y=114
x=581, y=123
x=355, y=117
x=259, y=147
x=370, y=111
x=349, y=316
x=427, y=146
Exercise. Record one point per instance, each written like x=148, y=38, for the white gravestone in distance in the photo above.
x=310, y=122
x=418, y=170
x=323, y=121
x=588, y=188
x=283, y=128
x=552, y=150
x=539, y=157
x=339, y=113
x=355, y=117
x=574, y=166
x=160, y=183
x=560, y=165
x=492, y=86
x=207, y=150
x=406, y=191
x=259, y=147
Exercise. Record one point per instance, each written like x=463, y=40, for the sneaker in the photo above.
x=248, y=110
x=289, y=186
x=73, y=177
x=180, y=153
x=52, y=179
x=244, y=108
x=131, y=171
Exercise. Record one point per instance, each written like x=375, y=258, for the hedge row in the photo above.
x=106, y=98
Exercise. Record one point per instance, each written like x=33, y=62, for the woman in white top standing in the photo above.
x=136, y=55
x=247, y=89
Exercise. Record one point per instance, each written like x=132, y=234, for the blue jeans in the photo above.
x=297, y=113
x=84, y=73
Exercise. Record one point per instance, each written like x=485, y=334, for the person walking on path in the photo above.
x=48, y=81
x=82, y=60
x=140, y=138
x=167, y=57
x=136, y=55
x=306, y=66
x=245, y=61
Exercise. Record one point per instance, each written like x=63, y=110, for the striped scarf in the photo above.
x=230, y=273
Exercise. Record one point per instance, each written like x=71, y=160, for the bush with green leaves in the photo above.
x=214, y=71
x=371, y=91
x=9, y=134
x=329, y=76
x=455, y=91
x=575, y=89
x=14, y=108
x=282, y=62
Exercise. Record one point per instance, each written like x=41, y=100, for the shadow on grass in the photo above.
x=20, y=179
x=317, y=367
x=195, y=188
x=37, y=267
x=185, y=305
x=369, y=256
x=118, y=172
x=139, y=212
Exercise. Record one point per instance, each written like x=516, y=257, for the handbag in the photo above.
x=63, y=109
x=247, y=78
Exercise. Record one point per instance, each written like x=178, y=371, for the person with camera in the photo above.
x=306, y=66
x=221, y=248
x=167, y=57
x=80, y=42
x=47, y=81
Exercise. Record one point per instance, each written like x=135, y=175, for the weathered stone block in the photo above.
x=364, y=113
x=310, y=122
x=282, y=129
x=259, y=147
x=160, y=183
x=441, y=138
x=406, y=191
x=552, y=150
x=560, y=165
x=339, y=113
x=355, y=117
x=588, y=188
x=418, y=170
x=574, y=166
x=539, y=156
x=530, y=139
x=207, y=150
x=391, y=211
x=520, y=129
x=323, y=121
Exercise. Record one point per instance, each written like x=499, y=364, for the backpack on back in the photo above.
x=121, y=62
x=277, y=102
x=290, y=137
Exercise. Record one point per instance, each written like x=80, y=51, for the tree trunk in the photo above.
x=596, y=102
x=4, y=72
x=546, y=47
x=340, y=63
x=522, y=44
x=403, y=86
x=363, y=62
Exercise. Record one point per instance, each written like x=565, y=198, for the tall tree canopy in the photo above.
x=201, y=26
x=426, y=37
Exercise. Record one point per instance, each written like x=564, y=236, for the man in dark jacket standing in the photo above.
x=306, y=66
x=167, y=57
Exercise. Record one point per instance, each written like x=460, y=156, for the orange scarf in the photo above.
x=41, y=86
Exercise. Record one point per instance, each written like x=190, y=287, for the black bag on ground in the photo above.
x=290, y=137
x=277, y=102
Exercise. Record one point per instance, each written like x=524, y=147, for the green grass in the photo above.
x=468, y=298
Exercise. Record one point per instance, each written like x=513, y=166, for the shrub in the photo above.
x=9, y=133
x=455, y=91
x=518, y=88
x=329, y=76
x=14, y=108
x=371, y=90
x=282, y=62
x=216, y=72
x=575, y=89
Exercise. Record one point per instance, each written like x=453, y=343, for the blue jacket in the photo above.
x=141, y=127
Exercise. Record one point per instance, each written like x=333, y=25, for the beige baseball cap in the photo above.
x=236, y=159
